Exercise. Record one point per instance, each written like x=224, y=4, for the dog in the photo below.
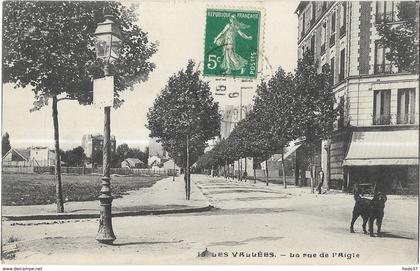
x=370, y=210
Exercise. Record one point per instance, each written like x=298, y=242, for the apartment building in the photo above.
x=376, y=136
x=93, y=143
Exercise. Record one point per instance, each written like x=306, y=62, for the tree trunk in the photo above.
x=246, y=177
x=296, y=170
x=233, y=171
x=311, y=166
x=188, y=171
x=255, y=175
x=266, y=172
x=282, y=169
x=186, y=181
x=239, y=169
x=224, y=170
x=58, y=185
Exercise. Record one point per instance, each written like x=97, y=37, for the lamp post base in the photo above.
x=105, y=233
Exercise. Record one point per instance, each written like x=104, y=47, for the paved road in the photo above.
x=251, y=224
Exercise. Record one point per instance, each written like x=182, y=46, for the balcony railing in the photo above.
x=382, y=119
x=406, y=118
x=323, y=49
x=383, y=68
x=332, y=40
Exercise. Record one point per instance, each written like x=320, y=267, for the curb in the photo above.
x=96, y=215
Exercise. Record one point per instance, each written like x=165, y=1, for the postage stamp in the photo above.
x=231, y=43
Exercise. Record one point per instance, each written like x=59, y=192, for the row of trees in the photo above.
x=183, y=118
x=287, y=107
x=49, y=47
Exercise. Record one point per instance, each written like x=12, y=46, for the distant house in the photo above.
x=17, y=155
x=42, y=156
x=154, y=161
x=132, y=163
x=33, y=156
x=170, y=165
x=274, y=163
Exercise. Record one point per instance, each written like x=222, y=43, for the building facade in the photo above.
x=92, y=143
x=376, y=136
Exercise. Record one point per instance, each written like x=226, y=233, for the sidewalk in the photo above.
x=164, y=197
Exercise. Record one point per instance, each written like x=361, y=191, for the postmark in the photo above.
x=232, y=43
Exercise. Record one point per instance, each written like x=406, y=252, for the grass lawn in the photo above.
x=32, y=189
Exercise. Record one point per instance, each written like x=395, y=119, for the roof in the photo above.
x=25, y=153
x=293, y=146
x=301, y=6
x=133, y=161
x=383, y=148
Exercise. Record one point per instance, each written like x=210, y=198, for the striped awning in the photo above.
x=383, y=148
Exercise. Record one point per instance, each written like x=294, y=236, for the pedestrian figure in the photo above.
x=244, y=175
x=321, y=181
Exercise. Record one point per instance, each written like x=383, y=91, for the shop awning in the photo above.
x=383, y=148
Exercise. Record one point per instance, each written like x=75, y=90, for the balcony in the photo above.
x=332, y=40
x=383, y=68
x=323, y=49
x=342, y=31
x=381, y=119
x=406, y=118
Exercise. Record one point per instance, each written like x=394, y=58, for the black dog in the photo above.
x=369, y=210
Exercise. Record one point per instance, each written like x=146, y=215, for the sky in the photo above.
x=178, y=27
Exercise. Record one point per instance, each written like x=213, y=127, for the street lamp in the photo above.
x=108, y=42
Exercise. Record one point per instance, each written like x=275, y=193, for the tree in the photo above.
x=5, y=144
x=402, y=39
x=49, y=47
x=315, y=112
x=75, y=157
x=184, y=117
x=277, y=100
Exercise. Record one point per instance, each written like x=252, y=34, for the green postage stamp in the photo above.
x=231, y=43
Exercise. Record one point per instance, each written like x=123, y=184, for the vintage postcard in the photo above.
x=210, y=133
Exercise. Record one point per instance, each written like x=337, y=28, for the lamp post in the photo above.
x=108, y=41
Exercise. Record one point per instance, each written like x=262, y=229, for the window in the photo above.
x=382, y=107
x=313, y=45
x=323, y=37
x=307, y=19
x=382, y=65
x=386, y=11
x=332, y=68
x=342, y=64
x=406, y=106
x=324, y=5
x=313, y=10
x=343, y=19
x=303, y=24
x=332, y=27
